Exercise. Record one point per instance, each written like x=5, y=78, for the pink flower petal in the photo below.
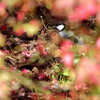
x=98, y=43
x=68, y=59
x=25, y=71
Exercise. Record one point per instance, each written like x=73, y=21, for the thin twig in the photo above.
x=44, y=23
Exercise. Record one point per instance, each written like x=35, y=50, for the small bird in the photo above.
x=60, y=27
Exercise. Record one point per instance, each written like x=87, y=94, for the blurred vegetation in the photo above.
x=36, y=63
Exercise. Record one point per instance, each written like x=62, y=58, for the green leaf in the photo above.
x=66, y=72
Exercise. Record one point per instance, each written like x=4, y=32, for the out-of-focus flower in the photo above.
x=77, y=11
x=66, y=45
x=97, y=49
x=28, y=53
x=25, y=71
x=83, y=11
x=19, y=29
x=20, y=16
x=81, y=86
x=98, y=43
x=68, y=59
x=3, y=67
x=35, y=22
x=42, y=77
x=2, y=9
x=3, y=53
x=32, y=28
x=20, y=32
x=28, y=5
x=61, y=8
x=41, y=48
x=98, y=14
x=3, y=27
x=3, y=5
x=89, y=70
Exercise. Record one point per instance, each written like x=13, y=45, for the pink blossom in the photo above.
x=73, y=16
x=2, y=9
x=42, y=77
x=68, y=59
x=90, y=70
x=3, y=5
x=62, y=7
x=3, y=67
x=92, y=8
x=3, y=52
x=94, y=76
x=35, y=23
x=83, y=12
x=34, y=50
x=20, y=16
x=19, y=31
x=80, y=86
x=42, y=49
x=66, y=45
x=98, y=43
x=25, y=71
x=27, y=53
